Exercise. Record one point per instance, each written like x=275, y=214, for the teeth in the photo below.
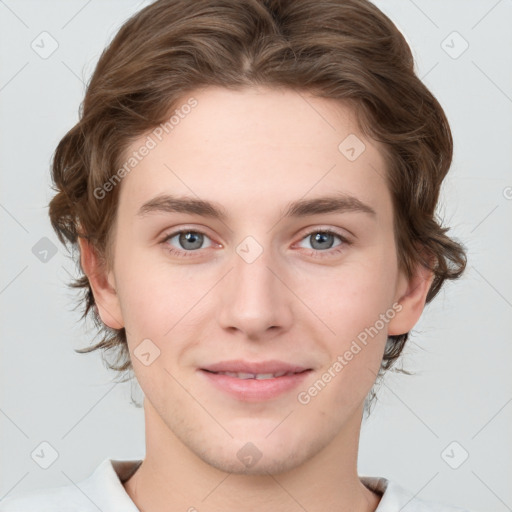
x=244, y=375
x=258, y=376
x=263, y=376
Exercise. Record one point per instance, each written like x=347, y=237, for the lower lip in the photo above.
x=254, y=390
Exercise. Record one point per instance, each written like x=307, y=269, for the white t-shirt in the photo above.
x=103, y=491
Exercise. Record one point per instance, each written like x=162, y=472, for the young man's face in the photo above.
x=258, y=285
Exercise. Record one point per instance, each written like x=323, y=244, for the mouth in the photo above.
x=271, y=367
x=255, y=382
x=257, y=376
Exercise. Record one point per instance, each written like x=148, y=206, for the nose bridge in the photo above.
x=255, y=299
x=251, y=272
x=255, y=284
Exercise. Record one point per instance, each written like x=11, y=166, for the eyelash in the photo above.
x=314, y=253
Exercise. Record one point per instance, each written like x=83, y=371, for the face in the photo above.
x=263, y=282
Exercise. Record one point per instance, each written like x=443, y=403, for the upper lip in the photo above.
x=256, y=367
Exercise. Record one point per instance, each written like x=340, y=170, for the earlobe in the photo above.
x=412, y=295
x=102, y=285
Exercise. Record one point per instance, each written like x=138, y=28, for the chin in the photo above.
x=260, y=454
x=278, y=463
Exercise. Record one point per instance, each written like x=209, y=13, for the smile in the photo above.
x=255, y=387
x=258, y=376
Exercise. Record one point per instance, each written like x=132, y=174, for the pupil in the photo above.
x=321, y=238
x=189, y=237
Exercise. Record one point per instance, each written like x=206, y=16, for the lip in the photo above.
x=269, y=366
x=254, y=390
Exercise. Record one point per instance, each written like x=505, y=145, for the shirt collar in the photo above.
x=106, y=485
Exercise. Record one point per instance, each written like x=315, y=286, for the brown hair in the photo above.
x=341, y=49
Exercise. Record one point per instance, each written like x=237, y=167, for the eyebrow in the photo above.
x=340, y=203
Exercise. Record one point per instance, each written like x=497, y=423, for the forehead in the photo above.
x=263, y=144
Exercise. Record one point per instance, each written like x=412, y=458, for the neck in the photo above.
x=172, y=478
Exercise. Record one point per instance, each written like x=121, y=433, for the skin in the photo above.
x=253, y=151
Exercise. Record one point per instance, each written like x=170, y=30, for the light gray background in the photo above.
x=461, y=348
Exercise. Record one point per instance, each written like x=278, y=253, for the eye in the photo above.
x=321, y=240
x=188, y=241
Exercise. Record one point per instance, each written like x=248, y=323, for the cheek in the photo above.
x=163, y=304
x=354, y=351
x=352, y=297
x=148, y=299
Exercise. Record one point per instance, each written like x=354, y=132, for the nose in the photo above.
x=254, y=298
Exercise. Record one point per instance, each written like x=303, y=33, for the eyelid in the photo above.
x=170, y=232
x=343, y=234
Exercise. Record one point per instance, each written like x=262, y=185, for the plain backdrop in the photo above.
x=443, y=433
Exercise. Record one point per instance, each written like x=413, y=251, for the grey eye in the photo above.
x=188, y=240
x=321, y=240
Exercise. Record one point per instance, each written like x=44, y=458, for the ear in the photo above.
x=411, y=295
x=103, y=286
